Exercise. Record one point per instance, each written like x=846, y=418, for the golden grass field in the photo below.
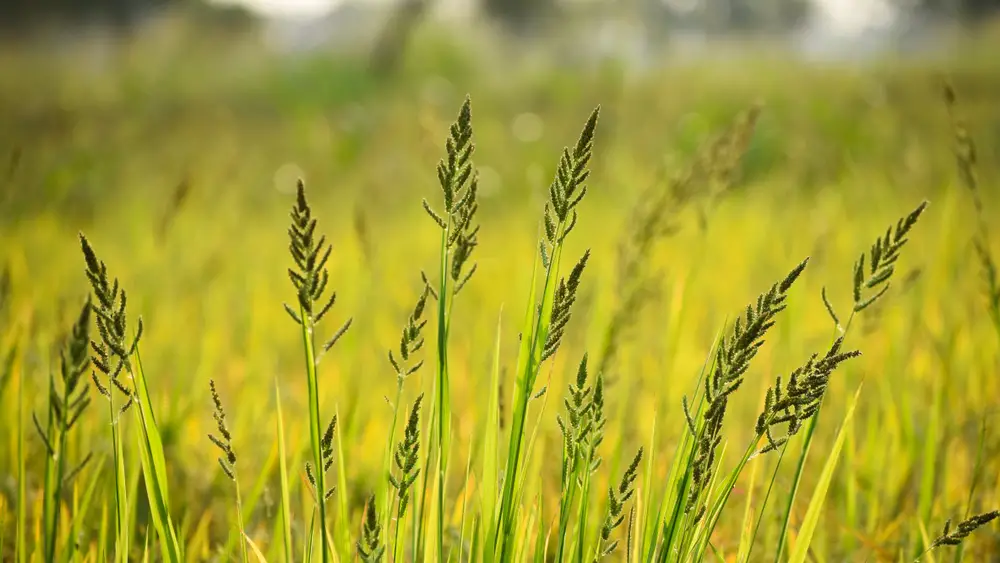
x=184, y=189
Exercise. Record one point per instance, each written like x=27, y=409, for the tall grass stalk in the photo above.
x=410, y=343
x=459, y=186
x=109, y=358
x=546, y=318
x=66, y=404
x=228, y=462
x=310, y=279
x=115, y=354
x=966, y=159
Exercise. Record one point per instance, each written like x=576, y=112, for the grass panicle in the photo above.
x=568, y=188
x=113, y=350
x=871, y=286
x=411, y=340
x=320, y=493
x=562, y=306
x=225, y=442
x=459, y=183
x=370, y=547
x=954, y=537
x=732, y=360
x=967, y=161
x=405, y=459
x=801, y=396
x=655, y=215
x=616, y=508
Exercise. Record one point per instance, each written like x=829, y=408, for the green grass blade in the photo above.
x=20, y=534
x=50, y=502
x=801, y=548
x=501, y=535
x=82, y=508
x=491, y=447
x=286, y=504
x=154, y=467
x=747, y=529
x=465, y=504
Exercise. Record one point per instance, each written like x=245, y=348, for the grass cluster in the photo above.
x=409, y=422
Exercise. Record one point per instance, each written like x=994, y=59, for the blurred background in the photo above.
x=172, y=132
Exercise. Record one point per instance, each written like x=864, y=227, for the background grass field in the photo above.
x=181, y=170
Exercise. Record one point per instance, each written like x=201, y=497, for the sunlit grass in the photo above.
x=189, y=207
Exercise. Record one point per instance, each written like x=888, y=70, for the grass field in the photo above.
x=182, y=175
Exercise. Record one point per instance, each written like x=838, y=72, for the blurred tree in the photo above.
x=967, y=11
x=520, y=16
x=739, y=15
x=24, y=15
x=391, y=42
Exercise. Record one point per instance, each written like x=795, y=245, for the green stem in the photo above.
x=443, y=384
x=396, y=544
x=564, y=503
x=52, y=477
x=239, y=518
x=582, y=516
x=767, y=495
x=309, y=345
x=387, y=463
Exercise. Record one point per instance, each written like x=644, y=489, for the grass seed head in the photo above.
x=616, y=506
x=113, y=349
x=732, y=360
x=459, y=186
x=406, y=459
x=225, y=440
x=801, y=397
x=370, y=546
x=881, y=261
x=562, y=304
x=956, y=536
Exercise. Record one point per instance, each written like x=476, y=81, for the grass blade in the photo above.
x=801, y=548
x=286, y=511
x=154, y=467
x=20, y=537
x=491, y=447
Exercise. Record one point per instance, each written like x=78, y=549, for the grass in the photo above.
x=672, y=254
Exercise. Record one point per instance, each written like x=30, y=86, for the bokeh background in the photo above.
x=172, y=132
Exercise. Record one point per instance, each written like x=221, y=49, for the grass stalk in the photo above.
x=310, y=279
